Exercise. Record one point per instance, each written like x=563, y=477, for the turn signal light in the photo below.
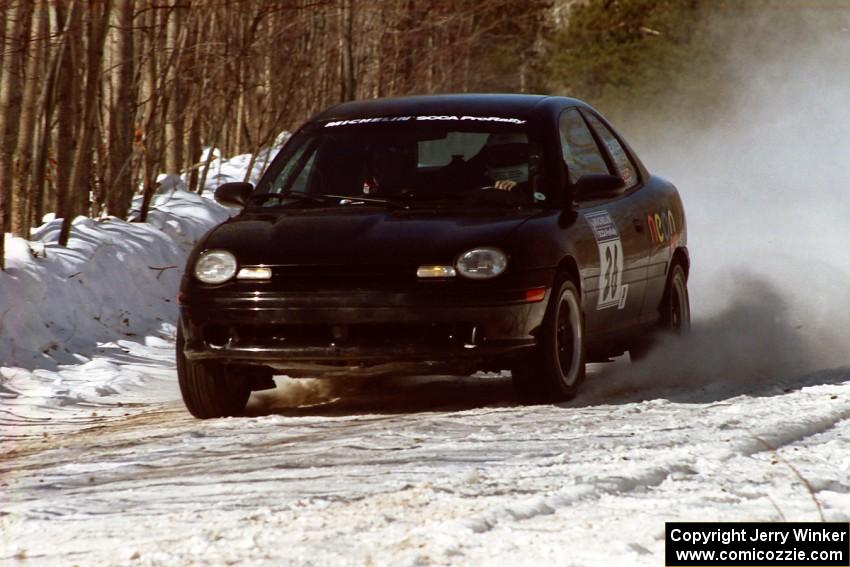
x=534, y=295
x=254, y=274
x=436, y=272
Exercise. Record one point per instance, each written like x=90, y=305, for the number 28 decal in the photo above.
x=612, y=292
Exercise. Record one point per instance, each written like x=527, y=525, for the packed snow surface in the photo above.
x=413, y=471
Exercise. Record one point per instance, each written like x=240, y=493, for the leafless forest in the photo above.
x=99, y=97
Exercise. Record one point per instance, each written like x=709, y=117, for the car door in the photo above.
x=614, y=292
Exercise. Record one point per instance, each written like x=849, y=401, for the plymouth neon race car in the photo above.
x=435, y=234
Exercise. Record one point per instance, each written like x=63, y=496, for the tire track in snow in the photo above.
x=648, y=478
x=791, y=434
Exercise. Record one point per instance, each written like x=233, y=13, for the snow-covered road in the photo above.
x=409, y=471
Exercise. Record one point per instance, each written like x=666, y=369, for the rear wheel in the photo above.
x=556, y=367
x=207, y=390
x=674, y=313
x=676, y=308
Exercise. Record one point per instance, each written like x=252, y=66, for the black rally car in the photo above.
x=435, y=234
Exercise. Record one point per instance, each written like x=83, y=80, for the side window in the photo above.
x=300, y=184
x=625, y=168
x=581, y=154
x=295, y=166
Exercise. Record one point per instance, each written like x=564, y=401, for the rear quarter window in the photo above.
x=625, y=168
x=578, y=148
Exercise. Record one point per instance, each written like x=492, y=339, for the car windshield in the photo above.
x=410, y=160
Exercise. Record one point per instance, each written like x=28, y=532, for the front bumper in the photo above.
x=351, y=332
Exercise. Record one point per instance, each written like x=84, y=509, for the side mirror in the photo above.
x=598, y=186
x=233, y=194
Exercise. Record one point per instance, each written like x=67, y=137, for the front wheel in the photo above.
x=556, y=367
x=206, y=389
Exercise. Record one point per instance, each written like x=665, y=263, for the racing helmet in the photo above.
x=506, y=155
x=389, y=167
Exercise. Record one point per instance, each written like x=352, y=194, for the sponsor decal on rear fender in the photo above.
x=662, y=228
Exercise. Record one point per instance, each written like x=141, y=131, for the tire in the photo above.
x=676, y=306
x=674, y=313
x=556, y=367
x=205, y=387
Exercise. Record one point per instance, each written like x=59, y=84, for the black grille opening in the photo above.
x=277, y=335
x=217, y=336
x=342, y=277
x=361, y=334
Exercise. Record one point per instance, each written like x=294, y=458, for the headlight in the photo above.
x=482, y=263
x=215, y=266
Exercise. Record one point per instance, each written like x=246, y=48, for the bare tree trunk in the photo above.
x=10, y=102
x=99, y=165
x=3, y=20
x=97, y=25
x=346, y=49
x=68, y=117
x=210, y=158
x=22, y=160
x=198, y=100
x=193, y=149
x=240, y=104
x=152, y=132
x=175, y=32
x=123, y=76
x=192, y=98
x=407, y=48
x=52, y=58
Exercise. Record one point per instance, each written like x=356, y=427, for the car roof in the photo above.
x=514, y=105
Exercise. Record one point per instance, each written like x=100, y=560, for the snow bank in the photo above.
x=116, y=280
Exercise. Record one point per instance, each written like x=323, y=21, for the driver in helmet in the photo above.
x=506, y=157
x=387, y=169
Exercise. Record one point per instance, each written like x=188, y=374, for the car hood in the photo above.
x=361, y=237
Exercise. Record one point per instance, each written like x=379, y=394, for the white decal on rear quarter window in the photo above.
x=612, y=292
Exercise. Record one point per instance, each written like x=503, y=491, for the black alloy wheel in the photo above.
x=556, y=367
x=676, y=317
x=674, y=314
